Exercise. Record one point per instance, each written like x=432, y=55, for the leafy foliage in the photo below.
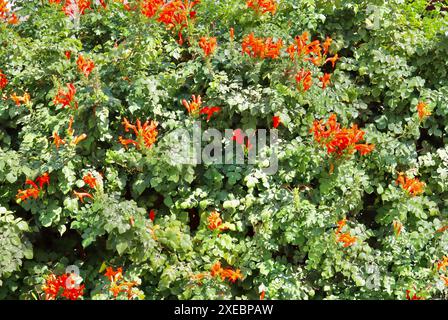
x=285, y=232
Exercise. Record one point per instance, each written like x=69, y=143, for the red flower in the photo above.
x=114, y=275
x=194, y=106
x=325, y=80
x=304, y=79
x=85, y=65
x=333, y=60
x=340, y=140
x=232, y=34
x=209, y=111
x=262, y=6
x=365, y=148
x=175, y=14
x=150, y=7
x=51, y=287
x=423, y=110
x=413, y=186
x=326, y=45
x=90, y=180
x=152, y=215
x=57, y=140
x=18, y=100
x=261, y=48
x=215, y=222
x=230, y=274
x=3, y=79
x=4, y=9
x=68, y=54
x=208, y=45
x=146, y=134
x=36, y=187
x=414, y=297
x=65, y=97
x=276, y=121
x=67, y=282
x=82, y=195
x=43, y=179
x=72, y=6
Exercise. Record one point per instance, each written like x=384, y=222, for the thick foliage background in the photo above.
x=283, y=226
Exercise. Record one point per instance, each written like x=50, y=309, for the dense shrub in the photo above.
x=357, y=90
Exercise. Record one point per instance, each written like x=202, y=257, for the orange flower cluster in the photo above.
x=3, y=79
x=195, y=108
x=413, y=186
x=85, y=65
x=150, y=7
x=442, y=264
x=215, y=222
x=70, y=7
x=118, y=285
x=304, y=80
x=90, y=180
x=5, y=13
x=18, y=100
x=208, y=45
x=423, y=110
x=146, y=134
x=58, y=141
x=344, y=238
x=314, y=52
x=340, y=140
x=218, y=271
x=66, y=97
x=261, y=47
x=225, y=273
x=36, y=187
x=413, y=297
x=262, y=6
x=175, y=14
x=69, y=283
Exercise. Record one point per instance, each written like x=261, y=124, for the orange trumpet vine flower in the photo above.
x=262, y=6
x=194, y=106
x=423, y=110
x=85, y=65
x=397, y=227
x=209, y=111
x=90, y=180
x=208, y=45
x=325, y=80
x=82, y=195
x=146, y=134
x=333, y=60
x=57, y=140
x=276, y=121
x=260, y=47
x=304, y=79
x=65, y=97
x=215, y=222
x=150, y=7
x=340, y=140
x=413, y=186
x=25, y=99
